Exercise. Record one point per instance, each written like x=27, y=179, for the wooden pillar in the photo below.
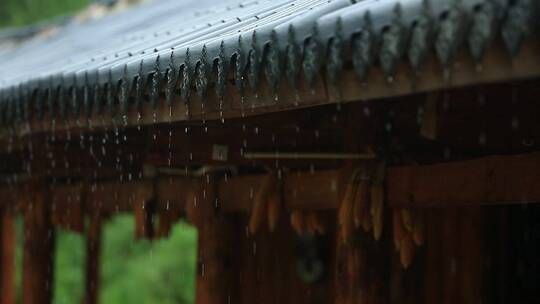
x=433, y=285
x=143, y=211
x=38, y=256
x=215, y=275
x=472, y=255
x=455, y=256
x=93, y=254
x=7, y=258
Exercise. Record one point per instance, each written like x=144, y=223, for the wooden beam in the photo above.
x=315, y=190
x=93, y=254
x=144, y=212
x=116, y=196
x=38, y=248
x=7, y=258
x=302, y=190
x=67, y=207
x=200, y=147
x=513, y=179
x=488, y=180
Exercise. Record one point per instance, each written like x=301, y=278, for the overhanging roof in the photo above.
x=180, y=47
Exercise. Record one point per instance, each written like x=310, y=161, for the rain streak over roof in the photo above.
x=176, y=47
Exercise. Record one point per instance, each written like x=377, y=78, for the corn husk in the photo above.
x=259, y=209
x=345, y=216
x=361, y=203
x=314, y=225
x=377, y=201
x=399, y=230
x=298, y=222
x=367, y=223
x=274, y=209
x=311, y=222
x=407, y=218
x=406, y=250
x=320, y=226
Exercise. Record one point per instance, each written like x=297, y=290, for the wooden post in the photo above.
x=433, y=285
x=7, y=258
x=215, y=280
x=472, y=255
x=38, y=249
x=93, y=254
x=454, y=269
x=143, y=212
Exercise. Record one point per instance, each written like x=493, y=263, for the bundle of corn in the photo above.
x=377, y=200
x=307, y=222
x=267, y=204
x=408, y=231
x=363, y=202
x=345, y=214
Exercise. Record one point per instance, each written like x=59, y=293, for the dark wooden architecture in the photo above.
x=414, y=184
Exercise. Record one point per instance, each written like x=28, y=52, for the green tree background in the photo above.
x=139, y=272
x=23, y=12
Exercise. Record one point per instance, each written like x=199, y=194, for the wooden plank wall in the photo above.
x=7, y=258
x=237, y=267
x=449, y=268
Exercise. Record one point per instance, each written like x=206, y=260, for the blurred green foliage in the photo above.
x=141, y=271
x=23, y=12
x=69, y=267
x=132, y=271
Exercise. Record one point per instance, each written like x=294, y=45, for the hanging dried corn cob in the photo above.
x=361, y=202
x=274, y=209
x=406, y=250
x=345, y=213
x=298, y=222
x=367, y=224
x=311, y=222
x=407, y=218
x=377, y=201
x=259, y=209
x=399, y=230
x=409, y=229
x=319, y=223
x=377, y=210
x=314, y=224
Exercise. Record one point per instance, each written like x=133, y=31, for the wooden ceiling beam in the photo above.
x=511, y=179
x=302, y=190
x=492, y=180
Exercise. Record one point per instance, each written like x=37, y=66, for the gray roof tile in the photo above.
x=175, y=44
